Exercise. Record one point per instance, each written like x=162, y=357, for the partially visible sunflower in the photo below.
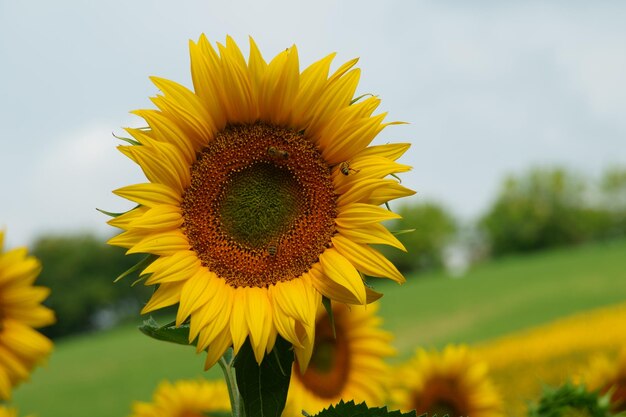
x=606, y=375
x=349, y=366
x=197, y=398
x=21, y=347
x=263, y=195
x=7, y=412
x=451, y=382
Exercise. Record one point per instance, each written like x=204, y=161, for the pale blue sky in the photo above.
x=489, y=88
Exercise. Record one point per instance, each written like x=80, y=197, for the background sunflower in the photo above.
x=451, y=382
x=350, y=366
x=197, y=398
x=608, y=374
x=21, y=347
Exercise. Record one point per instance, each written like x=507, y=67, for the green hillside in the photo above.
x=99, y=375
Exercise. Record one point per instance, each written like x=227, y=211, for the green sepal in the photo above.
x=396, y=177
x=110, y=214
x=264, y=387
x=350, y=409
x=354, y=100
x=167, y=333
x=127, y=140
x=402, y=231
x=139, y=265
x=331, y=316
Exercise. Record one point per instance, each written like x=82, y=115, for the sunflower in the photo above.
x=7, y=412
x=452, y=382
x=21, y=347
x=263, y=195
x=346, y=365
x=607, y=376
x=185, y=399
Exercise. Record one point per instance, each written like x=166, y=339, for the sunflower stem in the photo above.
x=226, y=363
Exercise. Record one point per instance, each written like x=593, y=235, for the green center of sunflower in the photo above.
x=261, y=205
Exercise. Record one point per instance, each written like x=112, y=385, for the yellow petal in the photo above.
x=180, y=266
x=372, y=234
x=367, y=260
x=256, y=66
x=392, y=191
x=363, y=168
x=129, y=238
x=163, y=129
x=259, y=319
x=336, y=96
x=210, y=320
x=123, y=220
x=164, y=244
x=188, y=107
x=217, y=348
x=338, y=269
x=238, y=323
x=206, y=75
x=346, y=144
x=360, y=214
x=166, y=295
x=391, y=151
x=150, y=194
x=312, y=82
x=280, y=87
x=193, y=295
x=163, y=217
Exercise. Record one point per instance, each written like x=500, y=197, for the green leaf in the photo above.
x=350, y=409
x=569, y=400
x=264, y=387
x=167, y=333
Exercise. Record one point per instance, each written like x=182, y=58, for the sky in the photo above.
x=488, y=88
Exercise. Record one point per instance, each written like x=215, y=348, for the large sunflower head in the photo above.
x=263, y=194
x=21, y=347
x=348, y=364
x=609, y=376
x=185, y=399
x=451, y=382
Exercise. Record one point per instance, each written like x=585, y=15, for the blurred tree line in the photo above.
x=535, y=210
x=80, y=269
x=544, y=208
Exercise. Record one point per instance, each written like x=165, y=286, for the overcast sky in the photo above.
x=488, y=88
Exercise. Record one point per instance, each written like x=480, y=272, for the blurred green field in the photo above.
x=101, y=374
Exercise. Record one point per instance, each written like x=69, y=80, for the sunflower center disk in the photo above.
x=261, y=206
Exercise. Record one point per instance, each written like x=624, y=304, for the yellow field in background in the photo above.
x=521, y=363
